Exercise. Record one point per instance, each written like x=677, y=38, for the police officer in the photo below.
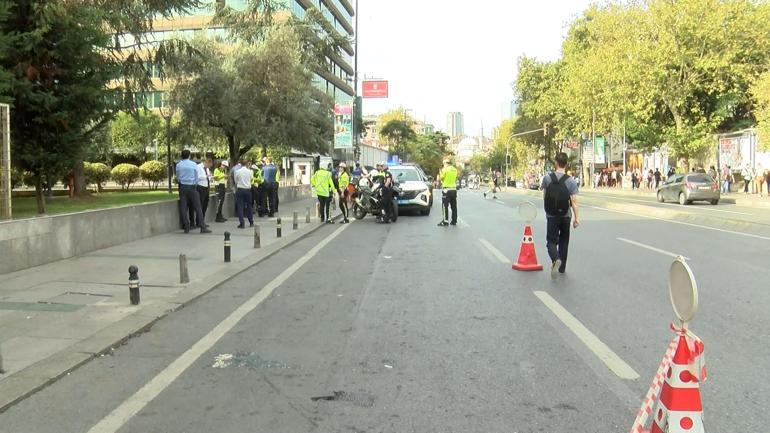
x=258, y=190
x=187, y=176
x=220, y=178
x=343, y=180
x=324, y=188
x=386, y=186
x=448, y=179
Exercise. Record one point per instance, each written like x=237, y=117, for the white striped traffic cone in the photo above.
x=679, y=409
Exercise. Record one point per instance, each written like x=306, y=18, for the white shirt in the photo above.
x=204, y=175
x=243, y=178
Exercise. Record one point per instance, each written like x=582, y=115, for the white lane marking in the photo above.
x=605, y=354
x=651, y=248
x=749, y=235
x=679, y=206
x=495, y=252
x=462, y=222
x=123, y=413
x=500, y=201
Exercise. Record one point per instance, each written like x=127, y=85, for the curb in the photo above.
x=672, y=215
x=28, y=381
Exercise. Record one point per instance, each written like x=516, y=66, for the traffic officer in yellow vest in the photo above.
x=448, y=179
x=324, y=188
x=343, y=179
x=220, y=179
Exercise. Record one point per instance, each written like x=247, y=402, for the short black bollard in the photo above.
x=307, y=215
x=278, y=227
x=295, y=223
x=227, y=247
x=257, y=238
x=184, y=275
x=133, y=284
x=2, y=370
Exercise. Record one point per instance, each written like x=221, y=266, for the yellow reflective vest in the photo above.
x=322, y=183
x=219, y=176
x=344, y=180
x=448, y=177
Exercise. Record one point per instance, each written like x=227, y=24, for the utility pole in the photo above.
x=593, y=143
x=356, y=149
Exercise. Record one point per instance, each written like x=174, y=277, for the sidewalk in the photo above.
x=57, y=316
x=736, y=198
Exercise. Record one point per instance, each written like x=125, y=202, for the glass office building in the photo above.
x=338, y=82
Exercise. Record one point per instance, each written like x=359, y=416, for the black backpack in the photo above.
x=557, y=196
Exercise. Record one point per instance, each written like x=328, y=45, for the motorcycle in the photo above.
x=367, y=198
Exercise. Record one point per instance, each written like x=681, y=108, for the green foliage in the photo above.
x=133, y=134
x=399, y=136
x=97, y=173
x=259, y=91
x=761, y=93
x=673, y=72
x=153, y=172
x=429, y=151
x=125, y=175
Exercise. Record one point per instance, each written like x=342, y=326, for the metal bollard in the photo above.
x=227, y=247
x=133, y=284
x=307, y=215
x=278, y=227
x=2, y=370
x=184, y=275
x=257, y=240
x=295, y=223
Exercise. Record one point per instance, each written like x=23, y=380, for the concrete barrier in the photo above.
x=35, y=241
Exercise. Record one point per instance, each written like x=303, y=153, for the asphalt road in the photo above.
x=414, y=328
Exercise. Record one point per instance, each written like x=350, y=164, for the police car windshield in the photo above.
x=409, y=174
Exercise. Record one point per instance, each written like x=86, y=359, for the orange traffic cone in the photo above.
x=527, y=260
x=679, y=406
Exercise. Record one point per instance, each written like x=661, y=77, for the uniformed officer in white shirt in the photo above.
x=204, y=185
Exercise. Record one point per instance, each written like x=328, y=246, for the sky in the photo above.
x=450, y=55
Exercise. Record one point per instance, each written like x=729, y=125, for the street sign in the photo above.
x=343, y=124
x=683, y=290
x=375, y=89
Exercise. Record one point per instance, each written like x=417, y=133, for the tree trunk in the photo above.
x=233, y=148
x=79, y=174
x=39, y=195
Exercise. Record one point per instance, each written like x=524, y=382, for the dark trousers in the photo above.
x=272, y=197
x=323, y=207
x=557, y=239
x=189, y=201
x=344, y=204
x=387, y=204
x=449, y=199
x=203, y=193
x=243, y=205
x=220, y=198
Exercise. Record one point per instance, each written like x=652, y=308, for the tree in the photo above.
x=399, y=136
x=61, y=64
x=125, y=175
x=761, y=93
x=132, y=134
x=153, y=172
x=430, y=150
x=97, y=173
x=258, y=94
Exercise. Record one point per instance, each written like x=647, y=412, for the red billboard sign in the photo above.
x=375, y=89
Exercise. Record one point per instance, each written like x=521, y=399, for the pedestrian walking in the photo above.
x=322, y=184
x=343, y=181
x=657, y=175
x=187, y=176
x=448, y=178
x=747, y=175
x=243, y=197
x=220, y=178
x=560, y=199
x=494, y=187
x=204, y=187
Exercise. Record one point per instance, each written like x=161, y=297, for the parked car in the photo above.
x=416, y=188
x=687, y=188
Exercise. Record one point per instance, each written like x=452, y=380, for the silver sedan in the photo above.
x=687, y=188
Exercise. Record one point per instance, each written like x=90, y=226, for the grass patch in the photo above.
x=25, y=207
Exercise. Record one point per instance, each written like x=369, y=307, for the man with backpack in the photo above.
x=560, y=199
